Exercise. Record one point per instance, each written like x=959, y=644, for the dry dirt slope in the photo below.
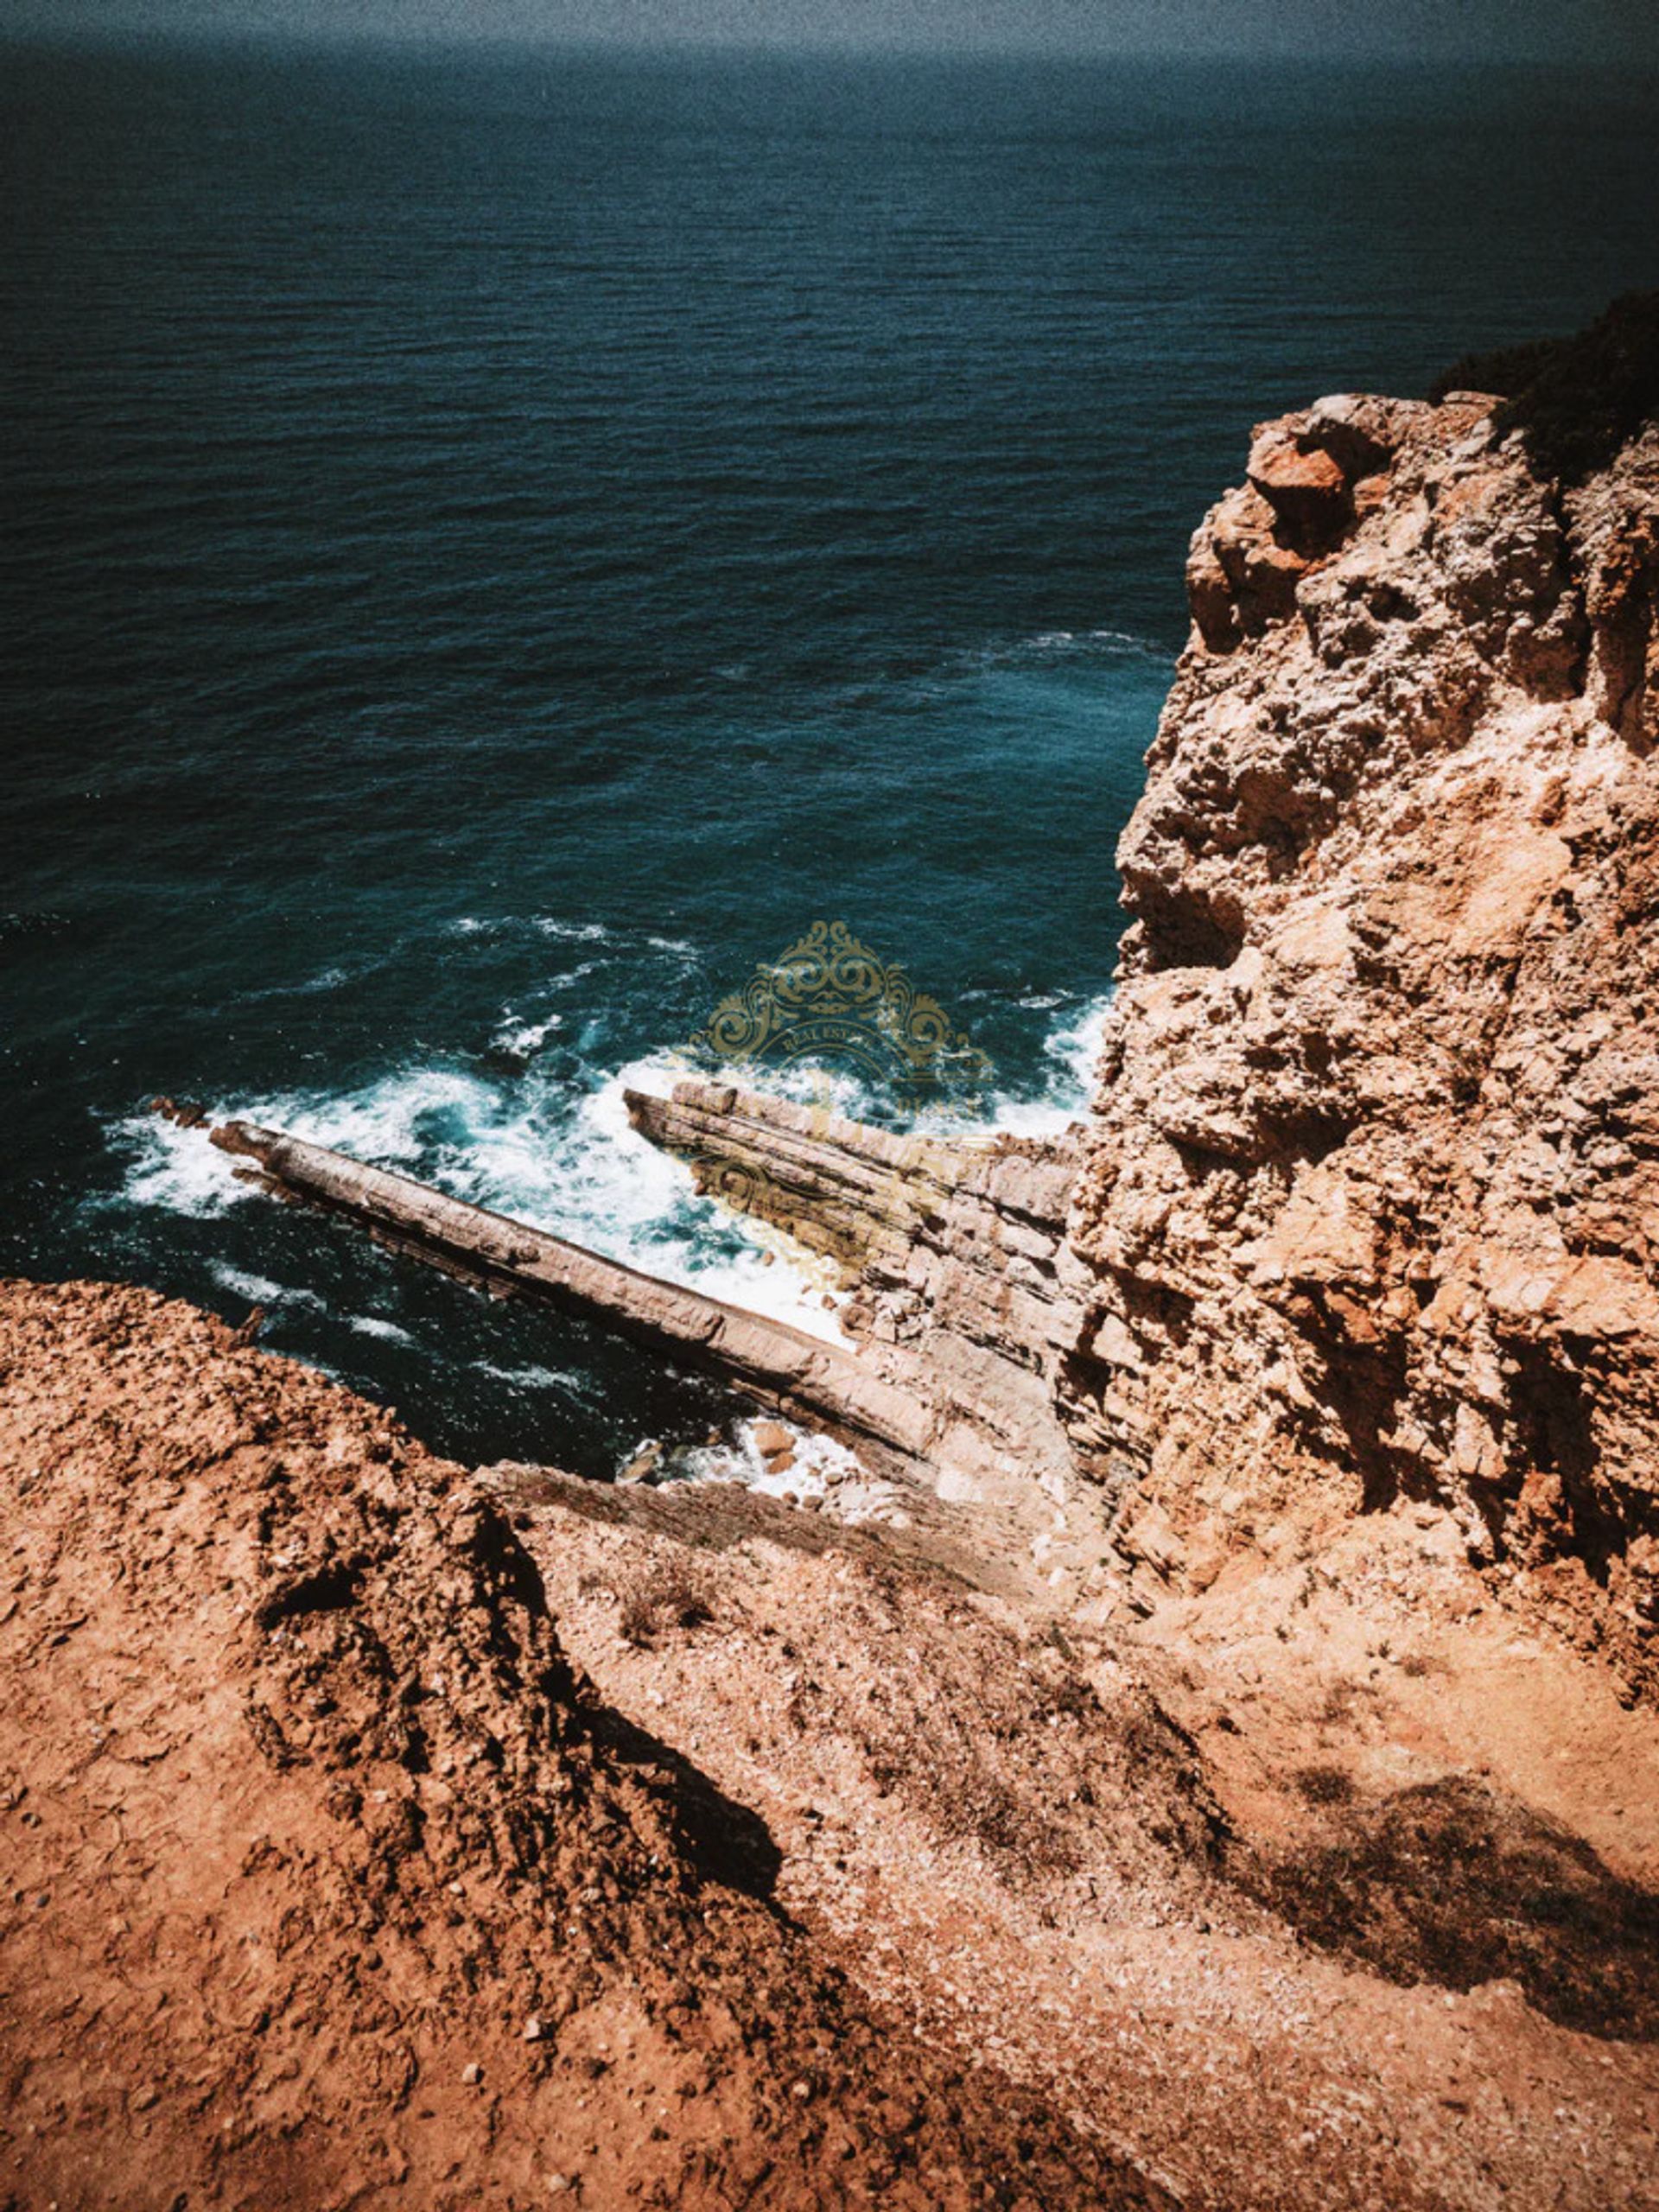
x=328, y=1881
x=1330, y=1891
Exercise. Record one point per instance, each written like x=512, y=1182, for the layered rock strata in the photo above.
x=962, y=1292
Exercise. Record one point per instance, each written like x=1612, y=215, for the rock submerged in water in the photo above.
x=645, y=1464
x=775, y=1444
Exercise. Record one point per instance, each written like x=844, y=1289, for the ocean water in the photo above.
x=496, y=546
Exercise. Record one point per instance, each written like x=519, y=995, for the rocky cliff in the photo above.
x=1231, y=1784
x=1370, y=1194
x=1366, y=1208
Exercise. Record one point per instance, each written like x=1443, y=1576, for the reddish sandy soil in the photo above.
x=378, y=1833
x=328, y=1882
x=1332, y=1888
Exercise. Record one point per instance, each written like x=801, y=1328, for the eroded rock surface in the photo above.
x=1370, y=1192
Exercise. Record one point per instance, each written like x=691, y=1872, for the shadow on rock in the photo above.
x=1448, y=1883
x=722, y=1841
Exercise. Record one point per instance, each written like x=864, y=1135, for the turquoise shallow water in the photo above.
x=495, y=547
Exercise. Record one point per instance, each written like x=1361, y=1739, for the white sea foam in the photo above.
x=1072, y=1052
x=1069, y=645
x=260, y=1290
x=554, y=926
x=176, y=1169
x=616, y=1180
x=327, y=979
x=524, y=1038
x=534, y=1377
x=817, y=1461
x=1060, y=1096
x=571, y=932
x=543, y=1150
x=372, y=1325
x=543, y=925
x=1075, y=1049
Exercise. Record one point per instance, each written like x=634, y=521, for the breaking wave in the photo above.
x=571, y=1165
x=561, y=1154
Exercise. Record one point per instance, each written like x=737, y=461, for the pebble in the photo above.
x=533, y=2030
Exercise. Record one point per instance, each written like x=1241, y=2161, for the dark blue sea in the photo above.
x=495, y=547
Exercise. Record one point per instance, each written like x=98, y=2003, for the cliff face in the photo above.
x=1369, y=1199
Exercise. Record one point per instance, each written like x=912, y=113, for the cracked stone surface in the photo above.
x=1370, y=1191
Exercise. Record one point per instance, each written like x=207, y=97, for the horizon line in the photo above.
x=321, y=39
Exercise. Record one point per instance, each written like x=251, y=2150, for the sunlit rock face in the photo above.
x=1369, y=1196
